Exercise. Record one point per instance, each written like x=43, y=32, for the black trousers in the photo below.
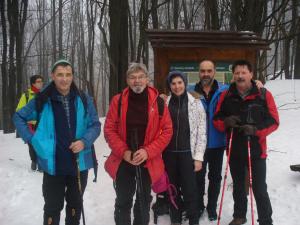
x=125, y=187
x=214, y=159
x=180, y=169
x=238, y=170
x=32, y=153
x=57, y=189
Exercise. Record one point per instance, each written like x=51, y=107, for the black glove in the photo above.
x=231, y=121
x=248, y=130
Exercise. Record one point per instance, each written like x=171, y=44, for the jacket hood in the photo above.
x=176, y=73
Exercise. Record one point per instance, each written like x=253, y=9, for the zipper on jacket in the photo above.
x=177, y=133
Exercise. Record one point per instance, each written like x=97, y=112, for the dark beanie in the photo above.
x=174, y=74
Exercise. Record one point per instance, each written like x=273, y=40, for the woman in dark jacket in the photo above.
x=184, y=154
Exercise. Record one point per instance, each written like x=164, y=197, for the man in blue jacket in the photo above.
x=210, y=91
x=68, y=125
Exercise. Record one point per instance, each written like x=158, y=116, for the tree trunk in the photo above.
x=175, y=13
x=297, y=53
x=286, y=53
x=53, y=32
x=154, y=14
x=12, y=15
x=21, y=21
x=91, y=19
x=5, y=106
x=60, y=29
x=213, y=14
x=118, y=13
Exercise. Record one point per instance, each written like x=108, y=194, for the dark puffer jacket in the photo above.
x=263, y=113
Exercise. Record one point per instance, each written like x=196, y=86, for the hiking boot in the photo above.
x=295, y=167
x=238, y=221
x=33, y=165
x=212, y=214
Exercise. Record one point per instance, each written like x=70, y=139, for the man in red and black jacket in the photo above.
x=136, y=109
x=247, y=111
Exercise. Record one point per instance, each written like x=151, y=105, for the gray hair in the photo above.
x=135, y=67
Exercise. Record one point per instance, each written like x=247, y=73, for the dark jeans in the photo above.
x=180, y=169
x=125, y=186
x=214, y=159
x=238, y=170
x=32, y=153
x=58, y=188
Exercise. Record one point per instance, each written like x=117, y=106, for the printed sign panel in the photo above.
x=191, y=69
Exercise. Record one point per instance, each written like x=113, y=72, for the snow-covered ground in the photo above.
x=21, y=200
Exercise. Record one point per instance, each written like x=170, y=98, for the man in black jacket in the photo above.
x=251, y=116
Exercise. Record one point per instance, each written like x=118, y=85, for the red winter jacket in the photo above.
x=157, y=137
x=230, y=103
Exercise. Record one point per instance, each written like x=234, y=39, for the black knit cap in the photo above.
x=174, y=74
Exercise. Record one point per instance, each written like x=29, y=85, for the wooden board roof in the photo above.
x=211, y=39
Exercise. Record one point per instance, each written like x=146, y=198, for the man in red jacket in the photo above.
x=247, y=112
x=136, y=110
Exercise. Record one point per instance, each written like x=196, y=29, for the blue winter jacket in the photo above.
x=215, y=139
x=44, y=141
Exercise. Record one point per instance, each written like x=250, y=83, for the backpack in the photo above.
x=26, y=93
x=26, y=96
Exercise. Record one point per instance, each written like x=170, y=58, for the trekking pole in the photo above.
x=225, y=176
x=76, y=161
x=80, y=188
x=250, y=178
x=251, y=121
x=140, y=191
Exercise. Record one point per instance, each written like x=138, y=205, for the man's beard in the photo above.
x=138, y=89
x=206, y=81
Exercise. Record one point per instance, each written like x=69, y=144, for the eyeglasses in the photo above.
x=132, y=78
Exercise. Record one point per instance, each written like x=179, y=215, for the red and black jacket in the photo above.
x=254, y=109
x=158, y=134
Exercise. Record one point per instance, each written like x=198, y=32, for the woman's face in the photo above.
x=177, y=86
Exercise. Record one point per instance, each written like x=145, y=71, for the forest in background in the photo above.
x=100, y=38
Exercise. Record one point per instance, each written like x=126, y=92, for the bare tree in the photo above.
x=53, y=32
x=60, y=29
x=12, y=70
x=118, y=27
x=91, y=20
x=297, y=48
x=212, y=15
x=4, y=72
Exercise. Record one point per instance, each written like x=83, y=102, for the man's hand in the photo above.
x=197, y=165
x=163, y=96
x=127, y=156
x=76, y=146
x=139, y=156
x=248, y=130
x=231, y=122
x=259, y=84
